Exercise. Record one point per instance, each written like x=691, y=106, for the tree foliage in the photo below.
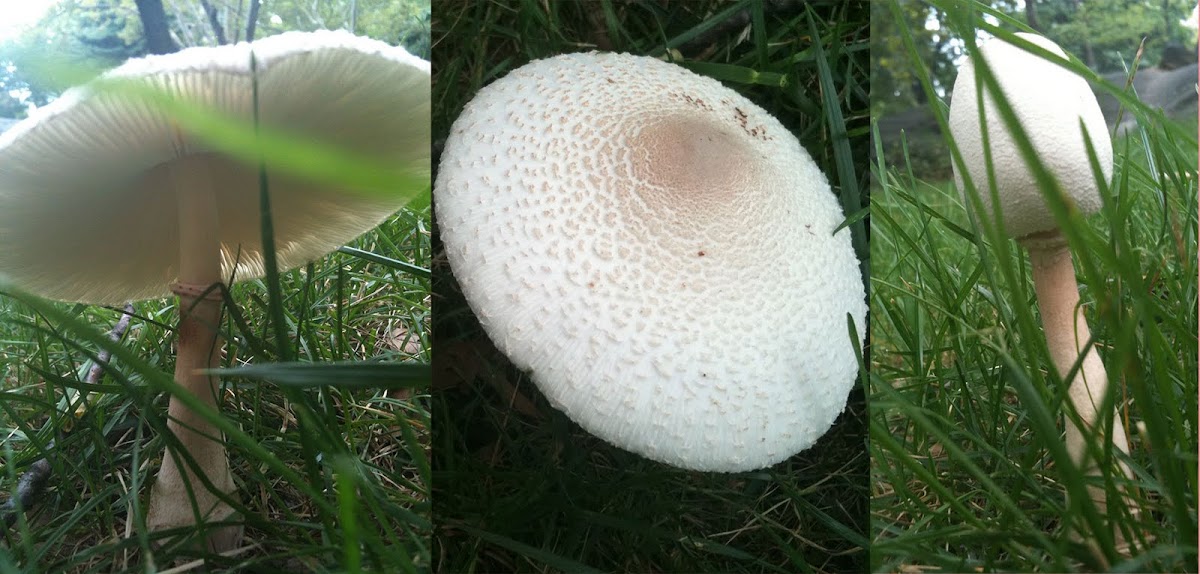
x=43, y=61
x=103, y=33
x=1104, y=33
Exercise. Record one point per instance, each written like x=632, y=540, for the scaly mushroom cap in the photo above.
x=659, y=253
x=1050, y=102
x=86, y=210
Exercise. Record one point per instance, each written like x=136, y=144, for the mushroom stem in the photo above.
x=200, y=346
x=1066, y=334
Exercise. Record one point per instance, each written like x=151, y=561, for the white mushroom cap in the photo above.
x=86, y=211
x=1050, y=102
x=659, y=253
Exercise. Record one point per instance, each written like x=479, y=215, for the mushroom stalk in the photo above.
x=200, y=346
x=1067, y=334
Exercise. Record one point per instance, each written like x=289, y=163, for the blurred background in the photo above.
x=1105, y=34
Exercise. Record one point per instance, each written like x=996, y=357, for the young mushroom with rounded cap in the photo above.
x=616, y=221
x=189, y=214
x=1050, y=103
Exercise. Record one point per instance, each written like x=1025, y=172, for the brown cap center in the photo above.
x=691, y=159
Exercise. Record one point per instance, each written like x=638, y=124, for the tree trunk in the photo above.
x=154, y=26
x=252, y=20
x=1089, y=57
x=1031, y=16
x=214, y=21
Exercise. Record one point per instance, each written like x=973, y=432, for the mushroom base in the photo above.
x=179, y=497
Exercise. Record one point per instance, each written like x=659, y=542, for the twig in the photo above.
x=29, y=488
x=33, y=481
x=118, y=331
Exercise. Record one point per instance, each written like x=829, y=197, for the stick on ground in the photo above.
x=34, y=481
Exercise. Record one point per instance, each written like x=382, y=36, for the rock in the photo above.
x=1173, y=91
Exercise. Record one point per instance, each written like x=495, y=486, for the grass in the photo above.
x=328, y=434
x=517, y=485
x=968, y=472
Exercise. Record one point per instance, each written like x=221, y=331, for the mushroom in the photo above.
x=189, y=214
x=659, y=253
x=1050, y=103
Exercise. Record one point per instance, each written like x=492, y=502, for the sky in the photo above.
x=16, y=15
